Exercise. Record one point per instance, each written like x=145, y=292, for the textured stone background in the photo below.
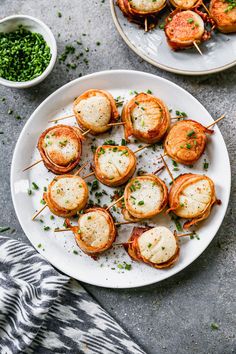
x=174, y=316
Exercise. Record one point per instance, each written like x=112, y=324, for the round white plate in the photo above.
x=219, y=52
x=59, y=248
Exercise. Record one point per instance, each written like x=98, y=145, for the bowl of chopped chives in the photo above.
x=28, y=51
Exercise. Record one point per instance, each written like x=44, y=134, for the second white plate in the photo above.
x=219, y=53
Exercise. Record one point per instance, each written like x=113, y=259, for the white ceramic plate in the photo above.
x=59, y=248
x=219, y=52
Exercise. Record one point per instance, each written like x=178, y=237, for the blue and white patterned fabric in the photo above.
x=42, y=311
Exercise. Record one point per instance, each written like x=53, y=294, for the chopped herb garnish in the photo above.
x=94, y=185
x=128, y=266
x=190, y=133
x=190, y=20
x=24, y=55
x=141, y=202
x=109, y=142
x=214, y=326
x=205, y=165
x=3, y=229
x=174, y=163
x=35, y=186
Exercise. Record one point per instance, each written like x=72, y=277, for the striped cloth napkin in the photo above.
x=42, y=311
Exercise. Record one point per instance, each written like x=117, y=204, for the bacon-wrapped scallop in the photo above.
x=66, y=195
x=94, y=110
x=224, y=15
x=95, y=232
x=145, y=196
x=186, y=28
x=157, y=246
x=139, y=10
x=191, y=197
x=186, y=141
x=146, y=117
x=60, y=148
x=114, y=165
x=185, y=4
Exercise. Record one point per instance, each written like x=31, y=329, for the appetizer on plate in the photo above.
x=114, y=165
x=192, y=196
x=146, y=118
x=60, y=148
x=94, y=110
x=185, y=4
x=224, y=15
x=186, y=28
x=157, y=246
x=143, y=12
x=66, y=195
x=186, y=141
x=145, y=196
x=95, y=232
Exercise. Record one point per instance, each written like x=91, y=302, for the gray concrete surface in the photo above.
x=174, y=316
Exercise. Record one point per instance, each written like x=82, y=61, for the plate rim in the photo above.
x=12, y=172
x=156, y=64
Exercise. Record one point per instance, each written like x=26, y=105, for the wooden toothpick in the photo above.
x=171, y=176
x=207, y=10
x=125, y=223
x=90, y=174
x=130, y=242
x=183, y=235
x=178, y=117
x=62, y=230
x=216, y=121
x=117, y=224
x=115, y=124
x=146, y=24
x=80, y=169
x=33, y=164
x=61, y=118
x=141, y=148
x=158, y=170
x=86, y=132
x=197, y=47
x=115, y=202
x=39, y=212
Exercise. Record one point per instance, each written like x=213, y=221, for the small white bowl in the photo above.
x=11, y=23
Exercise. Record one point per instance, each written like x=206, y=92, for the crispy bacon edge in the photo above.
x=57, y=169
x=197, y=4
x=133, y=250
x=138, y=17
x=153, y=135
x=55, y=208
x=164, y=202
x=176, y=189
x=114, y=112
x=89, y=250
x=122, y=178
x=200, y=127
x=206, y=35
